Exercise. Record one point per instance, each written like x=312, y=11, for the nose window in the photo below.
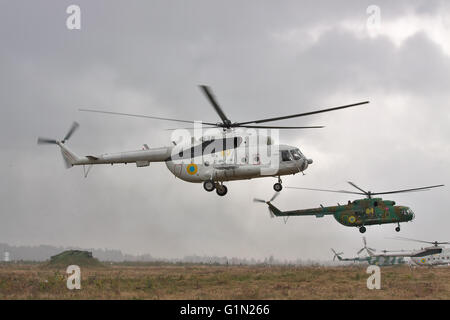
x=286, y=156
x=296, y=155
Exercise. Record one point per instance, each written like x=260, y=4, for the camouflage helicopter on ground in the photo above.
x=359, y=213
x=388, y=259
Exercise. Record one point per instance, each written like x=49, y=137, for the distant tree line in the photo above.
x=44, y=252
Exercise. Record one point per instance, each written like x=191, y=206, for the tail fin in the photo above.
x=70, y=158
x=274, y=210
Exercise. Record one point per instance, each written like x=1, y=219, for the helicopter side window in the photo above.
x=217, y=145
x=227, y=143
x=286, y=156
x=375, y=204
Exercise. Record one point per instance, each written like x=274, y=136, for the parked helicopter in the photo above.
x=359, y=213
x=439, y=258
x=210, y=160
x=385, y=258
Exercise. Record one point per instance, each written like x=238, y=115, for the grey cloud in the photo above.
x=148, y=57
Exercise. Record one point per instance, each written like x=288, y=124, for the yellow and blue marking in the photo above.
x=192, y=168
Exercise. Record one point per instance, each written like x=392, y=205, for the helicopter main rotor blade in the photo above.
x=408, y=239
x=302, y=114
x=145, y=116
x=325, y=190
x=279, y=127
x=355, y=186
x=422, y=241
x=360, y=251
x=192, y=128
x=409, y=190
x=253, y=127
x=386, y=251
x=208, y=93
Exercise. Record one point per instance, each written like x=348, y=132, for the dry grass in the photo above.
x=221, y=282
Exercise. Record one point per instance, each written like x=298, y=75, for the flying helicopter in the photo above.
x=441, y=256
x=213, y=159
x=359, y=213
x=387, y=257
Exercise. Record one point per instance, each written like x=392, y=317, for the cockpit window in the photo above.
x=296, y=154
x=408, y=212
x=286, y=156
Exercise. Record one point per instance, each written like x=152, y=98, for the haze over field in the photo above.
x=262, y=59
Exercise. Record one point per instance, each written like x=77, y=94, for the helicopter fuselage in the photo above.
x=225, y=165
x=370, y=212
x=212, y=160
x=358, y=213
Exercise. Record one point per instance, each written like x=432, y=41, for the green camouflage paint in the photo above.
x=378, y=260
x=358, y=213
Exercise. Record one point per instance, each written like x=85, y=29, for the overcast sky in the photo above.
x=262, y=59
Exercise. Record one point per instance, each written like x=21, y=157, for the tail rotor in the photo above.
x=72, y=129
x=268, y=202
x=336, y=255
x=68, y=157
x=46, y=141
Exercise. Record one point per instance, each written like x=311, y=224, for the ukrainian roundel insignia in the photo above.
x=192, y=168
x=351, y=219
x=423, y=260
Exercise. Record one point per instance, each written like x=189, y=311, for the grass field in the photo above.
x=33, y=281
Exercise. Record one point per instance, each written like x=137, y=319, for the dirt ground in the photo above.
x=33, y=281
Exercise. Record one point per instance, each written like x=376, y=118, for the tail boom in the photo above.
x=140, y=157
x=318, y=212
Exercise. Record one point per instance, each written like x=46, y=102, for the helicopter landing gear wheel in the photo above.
x=277, y=187
x=397, y=228
x=209, y=185
x=362, y=229
x=221, y=190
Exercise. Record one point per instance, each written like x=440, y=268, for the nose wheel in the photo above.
x=362, y=229
x=278, y=186
x=398, y=228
